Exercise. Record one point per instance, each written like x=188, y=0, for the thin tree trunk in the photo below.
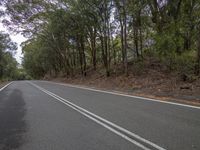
x=94, y=49
x=198, y=56
x=136, y=41
x=122, y=42
x=83, y=55
x=125, y=43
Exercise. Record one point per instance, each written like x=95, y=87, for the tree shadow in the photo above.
x=12, y=122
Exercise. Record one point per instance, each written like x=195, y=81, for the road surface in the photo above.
x=40, y=115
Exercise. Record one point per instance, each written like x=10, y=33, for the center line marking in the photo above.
x=103, y=122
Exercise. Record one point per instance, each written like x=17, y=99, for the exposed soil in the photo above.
x=152, y=82
x=3, y=84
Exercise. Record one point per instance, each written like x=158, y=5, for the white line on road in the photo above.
x=5, y=86
x=103, y=122
x=126, y=95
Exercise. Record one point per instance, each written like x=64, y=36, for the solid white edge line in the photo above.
x=125, y=95
x=5, y=86
x=82, y=110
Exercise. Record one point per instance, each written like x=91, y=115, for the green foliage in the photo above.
x=34, y=60
x=186, y=63
x=66, y=37
x=8, y=64
x=21, y=75
x=165, y=44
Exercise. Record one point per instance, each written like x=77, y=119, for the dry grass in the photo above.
x=151, y=82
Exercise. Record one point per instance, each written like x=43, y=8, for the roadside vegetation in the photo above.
x=9, y=67
x=153, y=39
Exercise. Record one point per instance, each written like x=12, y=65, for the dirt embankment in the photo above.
x=150, y=83
x=3, y=84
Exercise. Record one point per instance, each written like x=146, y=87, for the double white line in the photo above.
x=122, y=132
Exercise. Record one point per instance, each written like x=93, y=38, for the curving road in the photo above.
x=40, y=115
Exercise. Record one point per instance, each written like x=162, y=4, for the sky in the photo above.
x=18, y=38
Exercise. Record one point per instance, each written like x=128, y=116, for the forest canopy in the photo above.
x=71, y=37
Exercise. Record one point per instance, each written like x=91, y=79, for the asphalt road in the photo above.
x=40, y=115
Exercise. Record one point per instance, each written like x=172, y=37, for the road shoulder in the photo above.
x=193, y=102
x=2, y=84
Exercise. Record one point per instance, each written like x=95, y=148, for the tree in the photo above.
x=7, y=63
x=71, y=37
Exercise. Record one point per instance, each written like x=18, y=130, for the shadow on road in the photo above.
x=12, y=123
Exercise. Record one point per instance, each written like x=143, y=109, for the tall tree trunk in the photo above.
x=80, y=54
x=92, y=36
x=94, y=49
x=141, y=43
x=123, y=34
x=198, y=56
x=106, y=39
x=140, y=32
x=125, y=41
x=122, y=41
x=83, y=55
x=136, y=41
